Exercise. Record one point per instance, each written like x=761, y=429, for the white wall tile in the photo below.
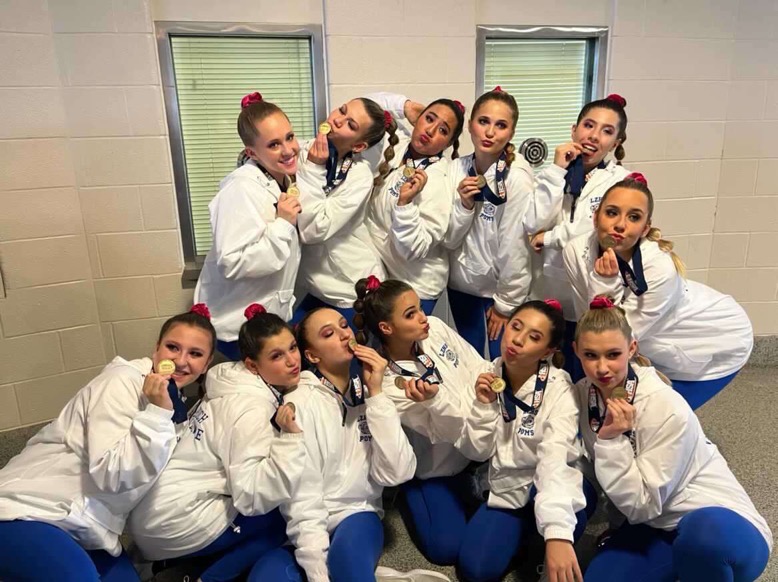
x=771, y=101
x=755, y=59
x=28, y=61
x=673, y=100
x=108, y=59
x=708, y=175
x=133, y=15
x=694, y=140
x=114, y=209
x=629, y=18
x=82, y=16
x=729, y=250
x=39, y=163
x=264, y=11
x=757, y=19
x=669, y=58
x=24, y=16
x=96, y=111
x=767, y=178
x=763, y=316
x=144, y=108
x=425, y=93
x=763, y=250
x=746, y=100
x=159, y=207
x=738, y=177
x=44, y=261
x=27, y=112
x=646, y=141
x=118, y=161
x=745, y=284
x=692, y=216
x=691, y=18
x=751, y=214
x=551, y=12
x=39, y=213
x=669, y=179
x=750, y=139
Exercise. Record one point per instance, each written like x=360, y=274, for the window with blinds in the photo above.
x=212, y=74
x=551, y=80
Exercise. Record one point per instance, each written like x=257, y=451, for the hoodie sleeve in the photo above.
x=263, y=470
x=244, y=244
x=392, y=461
x=579, y=282
x=559, y=484
x=325, y=216
x=546, y=202
x=394, y=103
x=127, y=447
x=461, y=218
x=479, y=438
x=421, y=225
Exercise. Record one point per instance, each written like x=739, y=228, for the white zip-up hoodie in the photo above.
x=255, y=254
x=409, y=238
x=346, y=469
x=490, y=254
x=688, y=330
x=337, y=250
x=435, y=426
x=676, y=469
x=230, y=461
x=87, y=469
x=543, y=452
x=550, y=210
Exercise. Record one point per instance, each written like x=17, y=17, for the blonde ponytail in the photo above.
x=655, y=235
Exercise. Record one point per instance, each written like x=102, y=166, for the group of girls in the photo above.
x=277, y=472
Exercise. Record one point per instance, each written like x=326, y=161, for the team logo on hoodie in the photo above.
x=449, y=354
x=364, y=429
x=487, y=212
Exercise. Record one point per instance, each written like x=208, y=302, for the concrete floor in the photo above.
x=741, y=421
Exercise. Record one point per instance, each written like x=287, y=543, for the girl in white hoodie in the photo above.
x=529, y=435
x=698, y=337
x=356, y=447
x=65, y=498
x=242, y=457
x=256, y=252
x=336, y=174
x=687, y=517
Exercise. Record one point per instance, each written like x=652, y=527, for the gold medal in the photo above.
x=166, y=367
x=480, y=181
x=352, y=344
x=498, y=385
x=293, y=190
x=619, y=392
x=608, y=242
x=291, y=405
x=325, y=128
x=399, y=381
x=408, y=171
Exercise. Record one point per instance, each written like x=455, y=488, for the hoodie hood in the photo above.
x=248, y=171
x=649, y=383
x=142, y=365
x=232, y=378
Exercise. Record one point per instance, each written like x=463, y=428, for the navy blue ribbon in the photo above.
x=179, y=407
x=355, y=394
x=575, y=180
x=595, y=420
x=634, y=279
x=499, y=178
x=335, y=177
x=508, y=401
x=430, y=375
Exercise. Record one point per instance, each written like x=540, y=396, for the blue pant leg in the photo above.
x=468, y=318
x=715, y=544
x=697, y=393
x=277, y=565
x=572, y=363
x=428, y=305
x=634, y=553
x=32, y=551
x=355, y=547
x=230, y=350
x=435, y=514
x=114, y=569
x=308, y=303
x=491, y=540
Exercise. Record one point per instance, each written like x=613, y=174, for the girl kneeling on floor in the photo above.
x=242, y=456
x=687, y=517
x=524, y=419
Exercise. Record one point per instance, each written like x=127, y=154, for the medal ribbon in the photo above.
x=279, y=401
x=431, y=375
x=595, y=420
x=508, y=400
x=635, y=280
x=355, y=391
x=486, y=193
x=576, y=179
x=179, y=408
x=422, y=163
x=335, y=177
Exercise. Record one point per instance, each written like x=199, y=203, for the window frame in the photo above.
x=163, y=32
x=597, y=38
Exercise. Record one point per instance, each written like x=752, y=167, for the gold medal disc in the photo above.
x=498, y=385
x=608, y=242
x=480, y=181
x=352, y=344
x=399, y=381
x=619, y=392
x=325, y=128
x=166, y=367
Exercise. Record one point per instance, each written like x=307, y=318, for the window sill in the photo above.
x=191, y=273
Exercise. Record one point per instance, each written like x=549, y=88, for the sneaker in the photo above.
x=384, y=574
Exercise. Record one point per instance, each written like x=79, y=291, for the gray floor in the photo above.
x=741, y=420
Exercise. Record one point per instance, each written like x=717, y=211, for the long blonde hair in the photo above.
x=632, y=182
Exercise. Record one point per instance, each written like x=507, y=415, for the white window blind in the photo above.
x=212, y=74
x=548, y=78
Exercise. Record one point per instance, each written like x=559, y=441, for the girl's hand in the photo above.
x=619, y=418
x=373, y=368
x=412, y=110
x=536, y=242
x=607, y=265
x=419, y=390
x=483, y=388
x=561, y=562
x=285, y=416
x=495, y=322
x=155, y=390
x=412, y=187
x=467, y=191
x=320, y=150
x=566, y=153
x=288, y=208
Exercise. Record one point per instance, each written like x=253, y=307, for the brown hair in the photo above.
x=614, y=103
x=250, y=116
x=508, y=100
x=654, y=234
x=382, y=123
x=255, y=331
x=375, y=306
x=558, y=324
x=192, y=319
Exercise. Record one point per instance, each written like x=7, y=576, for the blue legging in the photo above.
x=355, y=547
x=229, y=350
x=428, y=306
x=435, y=513
x=31, y=551
x=699, y=392
x=310, y=302
x=494, y=536
x=712, y=544
x=235, y=553
x=469, y=313
x=572, y=363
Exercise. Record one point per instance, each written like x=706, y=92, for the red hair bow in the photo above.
x=387, y=120
x=460, y=106
x=497, y=89
x=554, y=304
x=200, y=309
x=601, y=303
x=250, y=99
x=373, y=283
x=253, y=310
x=616, y=98
x=638, y=177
